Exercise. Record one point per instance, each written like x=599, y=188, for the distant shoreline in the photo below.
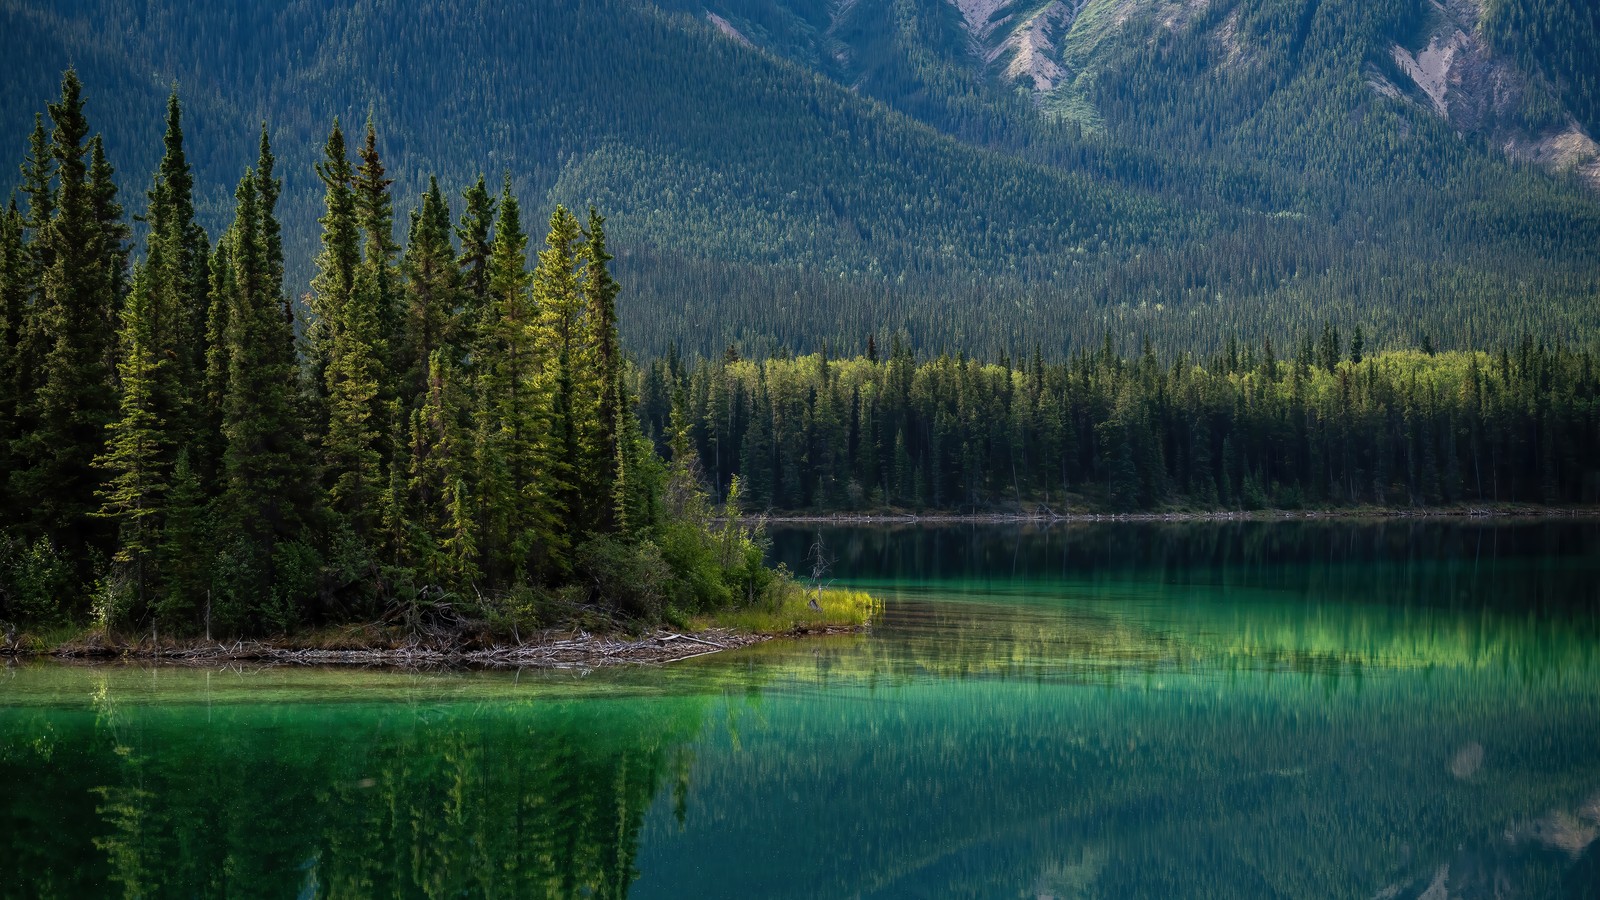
x=1449, y=513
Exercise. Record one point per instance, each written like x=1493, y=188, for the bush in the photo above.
x=34, y=582
x=115, y=597
x=632, y=578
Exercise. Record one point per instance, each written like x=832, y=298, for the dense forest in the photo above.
x=449, y=425
x=1323, y=424
x=434, y=433
x=856, y=170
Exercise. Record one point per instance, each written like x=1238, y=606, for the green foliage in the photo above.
x=1100, y=432
x=1240, y=176
x=460, y=445
x=37, y=581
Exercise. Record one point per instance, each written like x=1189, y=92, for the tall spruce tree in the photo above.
x=208, y=443
x=603, y=473
x=263, y=460
x=177, y=261
x=517, y=510
x=559, y=345
x=477, y=221
x=358, y=406
x=13, y=306
x=335, y=281
x=444, y=532
x=33, y=337
x=56, y=478
x=375, y=277
x=135, y=459
x=432, y=293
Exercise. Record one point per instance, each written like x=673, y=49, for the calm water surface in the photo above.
x=1119, y=710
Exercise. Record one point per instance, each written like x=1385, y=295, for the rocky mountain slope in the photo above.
x=971, y=174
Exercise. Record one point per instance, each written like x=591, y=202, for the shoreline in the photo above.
x=556, y=650
x=1469, y=513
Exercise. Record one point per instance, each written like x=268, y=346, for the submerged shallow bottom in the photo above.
x=1102, y=711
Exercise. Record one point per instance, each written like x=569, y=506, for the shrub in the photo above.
x=632, y=578
x=34, y=581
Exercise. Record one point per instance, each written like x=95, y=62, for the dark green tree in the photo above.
x=136, y=455
x=56, y=478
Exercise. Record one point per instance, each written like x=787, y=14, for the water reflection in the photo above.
x=1319, y=710
x=444, y=799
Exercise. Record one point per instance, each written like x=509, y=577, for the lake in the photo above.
x=1302, y=709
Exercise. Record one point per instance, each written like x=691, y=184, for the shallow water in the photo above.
x=1116, y=710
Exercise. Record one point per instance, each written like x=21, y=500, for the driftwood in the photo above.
x=551, y=651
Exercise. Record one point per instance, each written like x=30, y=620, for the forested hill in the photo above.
x=978, y=175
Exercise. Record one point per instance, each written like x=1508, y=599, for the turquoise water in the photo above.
x=1118, y=710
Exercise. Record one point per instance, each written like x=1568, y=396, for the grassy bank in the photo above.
x=799, y=612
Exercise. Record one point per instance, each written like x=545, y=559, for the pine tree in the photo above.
x=438, y=492
x=334, y=285
x=57, y=479
x=185, y=551
x=135, y=455
x=33, y=337
x=559, y=349
x=177, y=260
x=375, y=277
x=208, y=443
x=603, y=471
x=13, y=307
x=473, y=232
x=517, y=508
x=351, y=457
x=263, y=459
x=432, y=293
x=113, y=232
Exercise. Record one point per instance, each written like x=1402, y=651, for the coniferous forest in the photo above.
x=448, y=425
x=439, y=429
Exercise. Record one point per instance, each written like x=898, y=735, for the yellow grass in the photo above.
x=840, y=609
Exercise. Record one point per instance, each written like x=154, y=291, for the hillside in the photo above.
x=977, y=175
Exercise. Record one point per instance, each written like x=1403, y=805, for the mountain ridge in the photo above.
x=1183, y=186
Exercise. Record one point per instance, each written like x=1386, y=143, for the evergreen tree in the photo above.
x=439, y=495
x=517, y=509
x=185, y=551
x=263, y=460
x=113, y=232
x=135, y=457
x=559, y=349
x=473, y=232
x=13, y=307
x=375, y=277
x=432, y=293
x=604, y=472
x=221, y=289
x=177, y=262
x=56, y=478
x=334, y=285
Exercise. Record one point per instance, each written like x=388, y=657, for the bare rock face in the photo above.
x=1482, y=93
x=1022, y=45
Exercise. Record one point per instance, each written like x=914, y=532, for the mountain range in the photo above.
x=974, y=175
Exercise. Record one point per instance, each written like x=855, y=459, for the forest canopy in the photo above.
x=441, y=429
